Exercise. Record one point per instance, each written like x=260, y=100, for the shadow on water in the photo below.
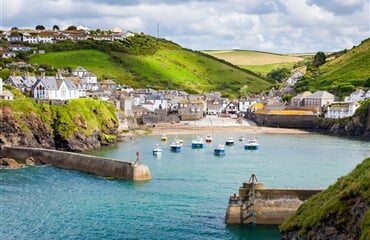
x=251, y=232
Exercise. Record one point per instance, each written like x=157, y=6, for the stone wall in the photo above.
x=259, y=205
x=281, y=120
x=105, y=167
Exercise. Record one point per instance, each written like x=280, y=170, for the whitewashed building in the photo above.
x=356, y=96
x=341, y=109
x=5, y=94
x=54, y=88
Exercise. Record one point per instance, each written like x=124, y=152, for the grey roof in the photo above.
x=51, y=83
x=21, y=81
x=320, y=94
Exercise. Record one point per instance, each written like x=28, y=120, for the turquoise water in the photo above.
x=186, y=199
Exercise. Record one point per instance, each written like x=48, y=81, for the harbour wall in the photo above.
x=282, y=120
x=105, y=167
x=270, y=206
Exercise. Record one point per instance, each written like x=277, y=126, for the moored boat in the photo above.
x=219, y=150
x=241, y=138
x=252, y=144
x=198, y=142
x=157, y=150
x=176, y=146
x=164, y=138
x=230, y=141
x=208, y=139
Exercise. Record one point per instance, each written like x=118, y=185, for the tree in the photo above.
x=55, y=27
x=39, y=27
x=278, y=75
x=319, y=59
x=72, y=28
x=14, y=28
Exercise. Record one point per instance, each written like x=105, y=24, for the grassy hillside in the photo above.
x=339, y=207
x=260, y=62
x=343, y=74
x=143, y=61
x=83, y=115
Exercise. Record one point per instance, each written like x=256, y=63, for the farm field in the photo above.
x=260, y=62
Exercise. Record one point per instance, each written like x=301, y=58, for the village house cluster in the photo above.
x=171, y=105
x=17, y=37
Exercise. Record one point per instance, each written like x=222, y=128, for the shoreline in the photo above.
x=213, y=124
x=181, y=129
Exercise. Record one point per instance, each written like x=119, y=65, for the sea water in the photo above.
x=186, y=199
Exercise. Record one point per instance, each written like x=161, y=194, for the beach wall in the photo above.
x=259, y=205
x=281, y=120
x=104, y=167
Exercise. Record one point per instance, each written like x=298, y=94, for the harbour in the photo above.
x=187, y=197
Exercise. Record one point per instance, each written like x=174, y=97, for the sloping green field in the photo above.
x=165, y=67
x=351, y=68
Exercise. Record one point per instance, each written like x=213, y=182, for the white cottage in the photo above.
x=55, y=89
x=6, y=95
x=341, y=109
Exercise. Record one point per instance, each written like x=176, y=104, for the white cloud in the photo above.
x=269, y=25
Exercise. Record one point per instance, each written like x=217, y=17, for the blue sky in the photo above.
x=281, y=26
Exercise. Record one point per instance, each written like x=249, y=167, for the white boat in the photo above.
x=198, y=142
x=252, y=144
x=241, y=138
x=219, y=150
x=157, y=150
x=208, y=139
x=230, y=141
x=176, y=146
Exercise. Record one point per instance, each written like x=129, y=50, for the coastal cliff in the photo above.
x=77, y=125
x=356, y=126
x=340, y=212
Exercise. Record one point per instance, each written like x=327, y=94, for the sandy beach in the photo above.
x=215, y=124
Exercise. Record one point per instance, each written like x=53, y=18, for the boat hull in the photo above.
x=219, y=152
x=176, y=148
x=251, y=147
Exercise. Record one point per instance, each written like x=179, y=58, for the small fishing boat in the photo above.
x=219, y=150
x=164, y=138
x=252, y=144
x=176, y=146
x=241, y=138
x=230, y=141
x=208, y=139
x=198, y=142
x=157, y=150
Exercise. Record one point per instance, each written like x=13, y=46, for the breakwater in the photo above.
x=105, y=167
x=258, y=205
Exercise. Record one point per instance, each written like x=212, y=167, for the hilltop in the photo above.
x=141, y=61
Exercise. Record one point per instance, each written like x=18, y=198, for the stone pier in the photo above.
x=258, y=205
x=105, y=167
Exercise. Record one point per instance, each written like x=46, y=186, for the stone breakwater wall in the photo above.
x=105, y=167
x=281, y=120
x=259, y=205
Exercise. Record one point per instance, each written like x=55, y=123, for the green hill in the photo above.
x=340, y=212
x=143, y=61
x=343, y=74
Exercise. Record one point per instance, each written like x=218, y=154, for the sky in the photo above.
x=280, y=26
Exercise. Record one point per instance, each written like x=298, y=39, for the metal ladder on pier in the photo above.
x=248, y=207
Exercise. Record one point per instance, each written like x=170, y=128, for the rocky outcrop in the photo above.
x=9, y=163
x=29, y=130
x=346, y=127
